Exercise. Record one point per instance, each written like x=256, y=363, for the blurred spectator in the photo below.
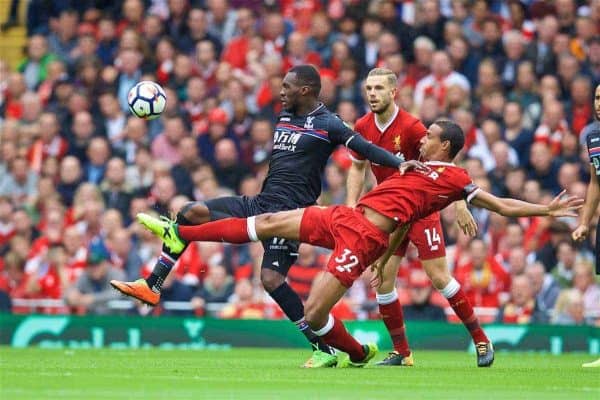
x=98, y=153
x=35, y=66
x=566, y=256
x=120, y=244
x=483, y=279
x=92, y=291
x=217, y=130
x=70, y=179
x=553, y=127
x=228, y=169
x=335, y=192
x=304, y=271
x=545, y=288
x=20, y=184
x=540, y=49
x=420, y=307
x=544, y=167
x=173, y=290
x=244, y=304
x=442, y=76
x=50, y=143
x=569, y=309
x=584, y=281
x=521, y=307
x=216, y=288
x=114, y=187
x=82, y=131
x=64, y=38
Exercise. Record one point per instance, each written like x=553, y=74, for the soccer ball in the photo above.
x=147, y=100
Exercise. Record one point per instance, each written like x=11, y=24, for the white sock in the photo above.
x=251, y=227
x=387, y=298
x=451, y=288
x=328, y=326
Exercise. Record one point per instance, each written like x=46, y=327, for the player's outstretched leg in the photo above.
x=593, y=364
x=148, y=290
x=437, y=270
x=290, y=303
x=390, y=310
x=324, y=294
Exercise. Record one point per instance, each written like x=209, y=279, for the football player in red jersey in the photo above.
x=360, y=235
x=397, y=131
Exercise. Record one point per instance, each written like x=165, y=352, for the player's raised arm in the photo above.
x=560, y=206
x=372, y=152
x=592, y=198
x=339, y=132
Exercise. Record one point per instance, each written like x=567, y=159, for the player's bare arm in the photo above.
x=355, y=181
x=560, y=206
x=465, y=219
x=590, y=206
x=395, y=239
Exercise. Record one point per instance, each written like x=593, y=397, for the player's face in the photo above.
x=597, y=102
x=290, y=92
x=380, y=93
x=431, y=143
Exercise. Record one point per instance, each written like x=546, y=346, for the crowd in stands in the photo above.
x=76, y=166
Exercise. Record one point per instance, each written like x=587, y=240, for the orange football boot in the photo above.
x=137, y=289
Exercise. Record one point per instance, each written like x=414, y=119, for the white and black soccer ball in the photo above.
x=147, y=100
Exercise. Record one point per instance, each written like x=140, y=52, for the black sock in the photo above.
x=166, y=260
x=161, y=269
x=292, y=306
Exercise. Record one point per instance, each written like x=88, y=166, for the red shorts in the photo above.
x=427, y=235
x=355, y=241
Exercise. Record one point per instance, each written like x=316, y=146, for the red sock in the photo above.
x=463, y=309
x=339, y=338
x=394, y=321
x=231, y=230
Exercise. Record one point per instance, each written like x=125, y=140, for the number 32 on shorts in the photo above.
x=346, y=261
x=433, y=239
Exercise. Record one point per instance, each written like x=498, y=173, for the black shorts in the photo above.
x=280, y=254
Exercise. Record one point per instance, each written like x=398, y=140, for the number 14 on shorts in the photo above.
x=346, y=261
x=433, y=239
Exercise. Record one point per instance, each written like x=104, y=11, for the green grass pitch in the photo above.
x=275, y=374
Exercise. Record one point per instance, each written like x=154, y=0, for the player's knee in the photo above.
x=270, y=279
x=266, y=223
x=438, y=274
x=388, y=284
x=194, y=212
x=314, y=315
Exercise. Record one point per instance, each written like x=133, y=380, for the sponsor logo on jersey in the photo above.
x=285, y=140
x=285, y=119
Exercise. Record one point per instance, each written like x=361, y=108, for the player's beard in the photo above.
x=381, y=107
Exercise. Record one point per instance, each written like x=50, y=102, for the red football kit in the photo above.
x=407, y=198
x=402, y=136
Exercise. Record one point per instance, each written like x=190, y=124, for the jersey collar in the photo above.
x=316, y=109
x=390, y=121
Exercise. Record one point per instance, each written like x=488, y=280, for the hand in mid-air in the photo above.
x=465, y=221
x=564, y=207
x=377, y=271
x=580, y=233
x=412, y=164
